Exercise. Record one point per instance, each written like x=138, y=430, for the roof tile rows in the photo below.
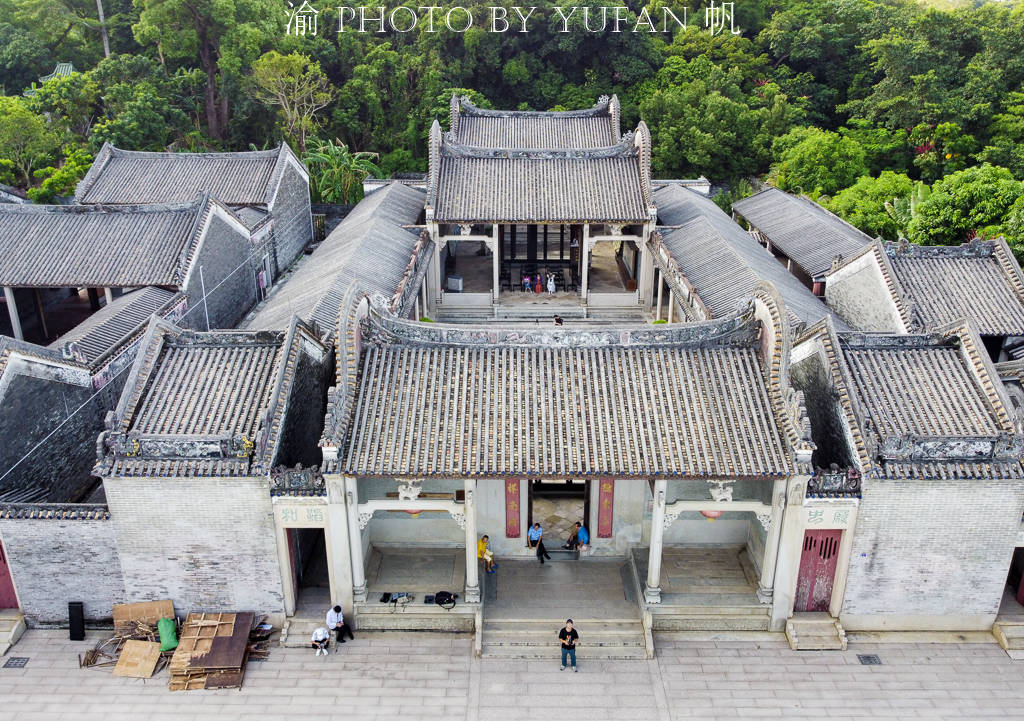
x=722, y=261
x=123, y=176
x=535, y=189
x=97, y=246
x=686, y=412
x=595, y=127
x=801, y=229
x=981, y=281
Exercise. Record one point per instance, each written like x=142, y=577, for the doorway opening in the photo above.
x=1012, y=604
x=557, y=505
x=817, y=570
x=307, y=548
x=8, y=598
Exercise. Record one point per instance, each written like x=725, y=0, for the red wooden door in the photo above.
x=817, y=570
x=8, y=599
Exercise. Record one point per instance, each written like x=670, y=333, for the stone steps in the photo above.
x=815, y=632
x=12, y=626
x=709, y=622
x=1010, y=635
x=538, y=639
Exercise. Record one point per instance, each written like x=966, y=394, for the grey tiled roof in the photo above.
x=980, y=280
x=801, y=229
x=592, y=128
x=924, y=406
x=722, y=261
x=202, y=403
x=115, y=323
x=98, y=246
x=414, y=399
x=564, y=412
x=515, y=190
x=369, y=245
x=125, y=176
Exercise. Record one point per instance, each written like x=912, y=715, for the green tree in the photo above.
x=884, y=149
x=297, y=87
x=71, y=102
x=25, y=138
x=1013, y=228
x=972, y=201
x=226, y=35
x=815, y=161
x=940, y=150
x=1006, y=146
x=863, y=203
x=337, y=173
x=61, y=182
x=138, y=117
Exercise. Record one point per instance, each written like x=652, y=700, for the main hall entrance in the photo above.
x=557, y=505
x=307, y=549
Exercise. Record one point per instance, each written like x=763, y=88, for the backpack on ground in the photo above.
x=445, y=599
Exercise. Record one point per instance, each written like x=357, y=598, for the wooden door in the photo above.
x=8, y=599
x=817, y=570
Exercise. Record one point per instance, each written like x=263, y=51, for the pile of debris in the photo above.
x=213, y=649
x=208, y=650
x=134, y=649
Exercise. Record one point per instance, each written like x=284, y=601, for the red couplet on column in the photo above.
x=605, y=507
x=512, y=508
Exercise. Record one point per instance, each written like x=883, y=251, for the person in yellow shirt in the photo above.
x=482, y=551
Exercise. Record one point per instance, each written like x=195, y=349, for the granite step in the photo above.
x=815, y=632
x=12, y=626
x=538, y=638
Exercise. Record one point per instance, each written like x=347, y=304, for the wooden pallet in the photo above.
x=212, y=651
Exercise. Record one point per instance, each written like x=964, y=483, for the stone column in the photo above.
x=284, y=560
x=671, y=304
x=495, y=263
x=423, y=294
x=661, y=285
x=771, y=541
x=339, y=540
x=12, y=310
x=472, y=567
x=652, y=592
x=787, y=565
x=585, y=249
x=110, y=295
x=355, y=540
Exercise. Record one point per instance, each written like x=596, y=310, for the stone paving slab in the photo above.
x=429, y=676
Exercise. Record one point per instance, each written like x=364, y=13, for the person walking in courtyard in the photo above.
x=551, y=283
x=536, y=536
x=336, y=622
x=569, y=637
x=484, y=553
x=579, y=537
x=321, y=637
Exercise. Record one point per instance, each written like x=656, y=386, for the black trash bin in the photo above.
x=76, y=620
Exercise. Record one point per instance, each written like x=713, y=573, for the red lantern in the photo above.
x=711, y=515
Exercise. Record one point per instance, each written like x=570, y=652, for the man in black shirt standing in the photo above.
x=569, y=636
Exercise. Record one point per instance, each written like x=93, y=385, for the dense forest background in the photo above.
x=905, y=118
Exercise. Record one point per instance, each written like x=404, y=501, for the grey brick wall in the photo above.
x=32, y=408
x=53, y=562
x=292, y=217
x=225, y=248
x=933, y=547
x=206, y=543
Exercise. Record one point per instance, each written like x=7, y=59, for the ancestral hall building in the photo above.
x=750, y=448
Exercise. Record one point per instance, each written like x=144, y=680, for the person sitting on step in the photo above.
x=579, y=537
x=321, y=637
x=484, y=553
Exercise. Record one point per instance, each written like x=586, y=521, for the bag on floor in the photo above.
x=445, y=599
x=168, y=631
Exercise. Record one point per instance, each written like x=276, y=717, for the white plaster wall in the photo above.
x=858, y=293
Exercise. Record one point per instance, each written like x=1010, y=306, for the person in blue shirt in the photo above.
x=579, y=537
x=536, y=537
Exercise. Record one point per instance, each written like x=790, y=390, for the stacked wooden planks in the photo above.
x=212, y=651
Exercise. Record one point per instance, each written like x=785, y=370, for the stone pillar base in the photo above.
x=359, y=594
x=652, y=595
x=472, y=594
x=764, y=595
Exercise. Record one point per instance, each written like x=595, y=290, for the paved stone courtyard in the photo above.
x=415, y=676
